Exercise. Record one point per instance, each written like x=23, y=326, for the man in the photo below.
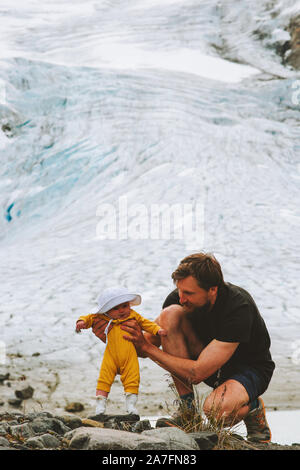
x=215, y=334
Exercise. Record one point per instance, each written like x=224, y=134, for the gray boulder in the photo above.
x=70, y=421
x=39, y=414
x=24, y=393
x=4, y=428
x=111, y=439
x=22, y=431
x=16, y=402
x=206, y=440
x=35, y=443
x=43, y=425
x=3, y=442
x=175, y=438
x=45, y=441
x=141, y=426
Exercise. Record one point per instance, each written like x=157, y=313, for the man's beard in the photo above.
x=196, y=311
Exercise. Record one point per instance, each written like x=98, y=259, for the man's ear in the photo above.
x=213, y=290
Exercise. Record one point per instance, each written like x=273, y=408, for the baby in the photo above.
x=120, y=357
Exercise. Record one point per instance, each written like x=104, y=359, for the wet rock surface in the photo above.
x=43, y=431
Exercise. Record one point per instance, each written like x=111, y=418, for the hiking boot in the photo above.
x=178, y=420
x=257, y=426
x=173, y=421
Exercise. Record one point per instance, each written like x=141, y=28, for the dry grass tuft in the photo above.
x=195, y=420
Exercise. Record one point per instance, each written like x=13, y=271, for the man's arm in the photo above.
x=212, y=357
x=98, y=328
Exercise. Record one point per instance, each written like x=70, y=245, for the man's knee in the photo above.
x=170, y=317
x=226, y=401
x=169, y=320
x=213, y=407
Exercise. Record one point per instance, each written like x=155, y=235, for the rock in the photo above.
x=175, y=438
x=128, y=418
x=22, y=431
x=111, y=424
x=3, y=442
x=91, y=423
x=103, y=418
x=3, y=377
x=43, y=425
x=15, y=415
x=72, y=422
x=205, y=440
x=74, y=407
x=4, y=428
x=35, y=442
x=118, y=422
x=15, y=402
x=111, y=439
x=50, y=441
x=39, y=414
x=24, y=393
x=121, y=425
x=11, y=416
x=141, y=426
x=14, y=422
x=44, y=441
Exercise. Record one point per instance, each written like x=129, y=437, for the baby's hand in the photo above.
x=80, y=325
x=162, y=332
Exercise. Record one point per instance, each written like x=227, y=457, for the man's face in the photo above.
x=192, y=296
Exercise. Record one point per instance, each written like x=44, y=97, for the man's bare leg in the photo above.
x=228, y=403
x=180, y=341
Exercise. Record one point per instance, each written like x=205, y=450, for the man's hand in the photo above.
x=136, y=336
x=98, y=328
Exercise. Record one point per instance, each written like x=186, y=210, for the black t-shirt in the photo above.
x=234, y=318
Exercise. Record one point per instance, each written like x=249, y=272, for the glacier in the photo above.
x=170, y=102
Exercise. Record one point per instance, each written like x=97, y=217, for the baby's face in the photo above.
x=120, y=311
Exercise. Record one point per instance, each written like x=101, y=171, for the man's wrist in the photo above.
x=146, y=348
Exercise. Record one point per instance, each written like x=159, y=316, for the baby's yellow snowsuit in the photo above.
x=120, y=355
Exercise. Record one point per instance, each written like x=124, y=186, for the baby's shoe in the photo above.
x=131, y=399
x=101, y=404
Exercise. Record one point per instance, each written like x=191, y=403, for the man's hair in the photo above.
x=203, y=267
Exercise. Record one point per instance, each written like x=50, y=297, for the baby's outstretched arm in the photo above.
x=80, y=325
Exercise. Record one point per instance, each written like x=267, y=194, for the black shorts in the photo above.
x=253, y=382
